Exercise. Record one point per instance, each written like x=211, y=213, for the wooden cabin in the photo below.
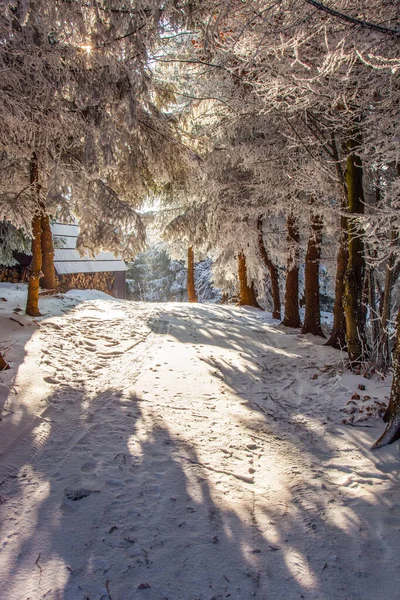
x=105, y=272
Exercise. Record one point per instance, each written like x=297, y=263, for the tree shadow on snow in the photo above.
x=108, y=503
x=330, y=538
x=23, y=390
x=116, y=506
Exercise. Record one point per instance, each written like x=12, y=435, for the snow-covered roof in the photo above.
x=68, y=260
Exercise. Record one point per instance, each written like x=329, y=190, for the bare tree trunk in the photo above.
x=354, y=283
x=312, y=317
x=337, y=338
x=35, y=269
x=273, y=272
x=3, y=364
x=383, y=351
x=247, y=293
x=373, y=313
x=392, y=273
x=48, y=280
x=191, y=290
x=292, y=316
x=392, y=416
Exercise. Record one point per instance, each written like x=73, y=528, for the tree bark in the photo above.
x=337, y=338
x=35, y=269
x=292, y=316
x=3, y=364
x=273, y=272
x=192, y=296
x=354, y=282
x=312, y=317
x=247, y=292
x=48, y=280
x=383, y=359
x=392, y=416
x=375, y=328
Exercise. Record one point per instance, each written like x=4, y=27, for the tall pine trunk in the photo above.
x=247, y=292
x=35, y=269
x=191, y=290
x=273, y=272
x=374, y=319
x=48, y=280
x=354, y=282
x=392, y=416
x=312, y=317
x=337, y=338
x=383, y=358
x=292, y=316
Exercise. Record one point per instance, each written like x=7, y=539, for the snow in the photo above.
x=187, y=452
x=89, y=295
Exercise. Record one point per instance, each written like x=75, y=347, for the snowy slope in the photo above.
x=188, y=452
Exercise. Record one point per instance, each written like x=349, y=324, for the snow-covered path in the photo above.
x=194, y=453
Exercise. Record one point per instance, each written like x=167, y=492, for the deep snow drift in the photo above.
x=187, y=452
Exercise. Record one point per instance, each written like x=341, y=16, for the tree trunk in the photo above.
x=192, y=296
x=292, y=315
x=373, y=312
x=392, y=416
x=247, y=293
x=48, y=280
x=337, y=338
x=354, y=282
x=383, y=359
x=273, y=272
x=3, y=364
x=312, y=317
x=35, y=269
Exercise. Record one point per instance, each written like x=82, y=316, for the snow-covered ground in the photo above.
x=187, y=452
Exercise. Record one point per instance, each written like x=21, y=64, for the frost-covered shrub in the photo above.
x=206, y=292
x=154, y=277
x=12, y=240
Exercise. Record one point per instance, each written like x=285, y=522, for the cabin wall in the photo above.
x=119, y=287
x=104, y=282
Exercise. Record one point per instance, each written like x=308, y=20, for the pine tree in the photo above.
x=312, y=316
x=392, y=415
x=247, y=292
x=192, y=296
x=355, y=272
x=292, y=315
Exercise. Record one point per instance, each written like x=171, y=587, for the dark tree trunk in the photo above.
x=312, y=317
x=3, y=364
x=273, y=272
x=337, y=338
x=247, y=293
x=48, y=280
x=374, y=317
x=191, y=290
x=391, y=275
x=392, y=416
x=354, y=283
x=35, y=269
x=292, y=316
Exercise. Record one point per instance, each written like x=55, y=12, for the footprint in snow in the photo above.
x=88, y=466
